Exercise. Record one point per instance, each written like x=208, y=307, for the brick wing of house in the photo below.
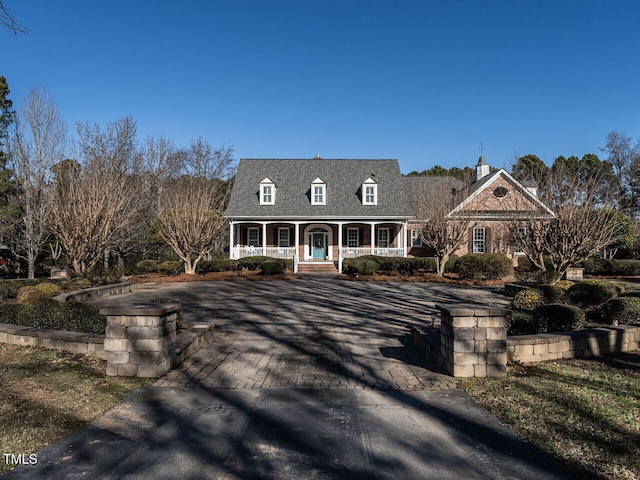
x=319, y=211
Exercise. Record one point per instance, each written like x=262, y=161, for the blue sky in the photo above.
x=421, y=81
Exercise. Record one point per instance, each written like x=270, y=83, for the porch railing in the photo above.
x=349, y=252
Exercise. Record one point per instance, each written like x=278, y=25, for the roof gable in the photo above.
x=486, y=199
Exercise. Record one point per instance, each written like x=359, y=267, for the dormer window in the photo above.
x=267, y=192
x=318, y=192
x=369, y=192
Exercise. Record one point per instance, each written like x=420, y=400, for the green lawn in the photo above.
x=585, y=413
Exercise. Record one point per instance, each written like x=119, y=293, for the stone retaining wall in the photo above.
x=72, y=342
x=95, y=292
x=582, y=343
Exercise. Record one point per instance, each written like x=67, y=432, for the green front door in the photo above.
x=318, y=245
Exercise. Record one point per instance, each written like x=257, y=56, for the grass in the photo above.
x=47, y=395
x=585, y=413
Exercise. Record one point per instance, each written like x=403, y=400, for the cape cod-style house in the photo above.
x=318, y=211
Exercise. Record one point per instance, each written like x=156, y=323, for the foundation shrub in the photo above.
x=272, y=267
x=591, y=293
x=559, y=317
x=524, y=322
x=30, y=295
x=619, y=311
x=252, y=263
x=483, y=266
x=49, y=289
x=360, y=266
x=218, y=265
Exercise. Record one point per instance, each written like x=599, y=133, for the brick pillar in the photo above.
x=473, y=340
x=140, y=340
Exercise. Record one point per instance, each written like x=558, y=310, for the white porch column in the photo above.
x=404, y=239
x=264, y=239
x=296, y=255
x=232, y=247
x=340, y=225
x=373, y=238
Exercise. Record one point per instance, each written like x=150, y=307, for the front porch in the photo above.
x=314, y=242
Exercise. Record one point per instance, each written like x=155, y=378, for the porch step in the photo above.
x=324, y=267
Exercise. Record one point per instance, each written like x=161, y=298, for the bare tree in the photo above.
x=37, y=142
x=96, y=203
x=432, y=201
x=585, y=222
x=190, y=208
x=9, y=21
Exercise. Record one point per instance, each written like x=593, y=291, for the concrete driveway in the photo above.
x=311, y=378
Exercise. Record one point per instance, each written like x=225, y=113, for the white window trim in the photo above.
x=479, y=239
x=369, y=183
x=388, y=239
x=318, y=183
x=281, y=231
x=357, y=238
x=264, y=184
x=257, y=236
x=416, y=238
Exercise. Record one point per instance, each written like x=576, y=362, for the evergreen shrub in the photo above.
x=483, y=266
x=621, y=310
x=559, y=317
x=591, y=293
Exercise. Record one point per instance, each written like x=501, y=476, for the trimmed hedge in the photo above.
x=528, y=299
x=614, y=268
x=360, y=265
x=559, y=318
x=483, y=266
x=591, y=293
x=218, y=265
x=621, y=310
x=252, y=263
x=147, y=266
x=49, y=314
x=170, y=267
x=394, y=265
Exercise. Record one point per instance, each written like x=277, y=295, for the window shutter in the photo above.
x=245, y=235
x=292, y=236
x=487, y=240
x=361, y=237
x=470, y=240
x=275, y=237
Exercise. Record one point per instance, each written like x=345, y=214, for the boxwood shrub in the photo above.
x=360, y=265
x=252, y=263
x=591, y=293
x=9, y=288
x=524, y=322
x=170, y=267
x=559, y=317
x=483, y=266
x=147, y=266
x=621, y=310
x=528, y=299
x=272, y=267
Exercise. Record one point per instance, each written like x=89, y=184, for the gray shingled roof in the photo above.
x=293, y=180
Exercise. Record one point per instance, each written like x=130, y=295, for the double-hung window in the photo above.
x=353, y=237
x=253, y=237
x=267, y=192
x=283, y=237
x=383, y=238
x=318, y=192
x=479, y=240
x=369, y=192
x=416, y=240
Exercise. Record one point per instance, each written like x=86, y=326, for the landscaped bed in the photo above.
x=584, y=412
x=46, y=395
